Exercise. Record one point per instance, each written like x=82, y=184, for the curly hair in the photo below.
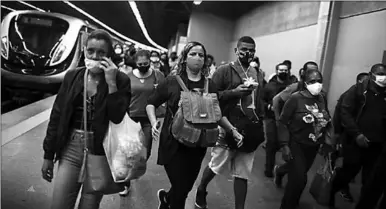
x=181, y=63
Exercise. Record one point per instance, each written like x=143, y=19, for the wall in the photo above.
x=297, y=45
x=360, y=44
x=282, y=30
x=212, y=31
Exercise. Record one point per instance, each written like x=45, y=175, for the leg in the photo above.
x=279, y=171
x=219, y=164
x=242, y=165
x=66, y=186
x=271, y=146
x=146, y=128
x=90, y=201
x=187, y=164
x=303, y=158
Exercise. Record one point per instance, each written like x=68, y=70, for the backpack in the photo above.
x=195, y=123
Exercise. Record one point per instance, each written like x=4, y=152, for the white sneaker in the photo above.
x=125, y=192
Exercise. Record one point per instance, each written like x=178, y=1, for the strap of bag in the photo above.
x=82, y=173
x=206, y=86
x=182, y=84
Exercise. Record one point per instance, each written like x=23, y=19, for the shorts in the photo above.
x=231, y=162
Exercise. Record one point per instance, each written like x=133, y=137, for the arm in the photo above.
x=118, y=99
x=277, y=106
x=218, y=79
x=159, y=96
x=347, y=109
x=51, y=135
x=285, y=117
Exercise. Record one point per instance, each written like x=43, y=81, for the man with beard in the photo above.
x=277, y=84
x=240, y=88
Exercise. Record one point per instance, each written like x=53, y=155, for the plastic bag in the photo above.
x=125, y=151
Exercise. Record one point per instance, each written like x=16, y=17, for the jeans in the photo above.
x=356, y=158
x=303, y=158
x=66, y=186
x=146, y=128
x=272, y=144
x=182, y=172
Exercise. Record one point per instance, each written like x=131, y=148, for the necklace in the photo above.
x=245, y=71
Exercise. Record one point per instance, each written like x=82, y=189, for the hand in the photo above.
x=110, y=70
x=286, y=153
x=327, y=149
x=243, y=89
x=154, y=130
x=238, y=137
x=362, y=141
x=48, y=170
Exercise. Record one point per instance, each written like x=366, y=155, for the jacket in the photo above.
x=226, y=78
x=108, y=107
x=270, y=91
x=352, y=107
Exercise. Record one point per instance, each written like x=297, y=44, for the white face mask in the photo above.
x=154, y=59
x=118, y=51
x=315, y=88
x=380, y=80
x=93, y=65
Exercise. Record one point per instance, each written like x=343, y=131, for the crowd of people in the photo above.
x=242, y=111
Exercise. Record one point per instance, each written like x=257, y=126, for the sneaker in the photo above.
x=277, y=179
x=162, y=198
x=346, y=195
x=125, y=192
x=201, y=199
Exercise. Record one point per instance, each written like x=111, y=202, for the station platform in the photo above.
x=23, y=131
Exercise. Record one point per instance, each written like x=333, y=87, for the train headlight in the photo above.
x=4, y=47
x=58, y=54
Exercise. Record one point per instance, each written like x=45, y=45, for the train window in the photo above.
x=35, y=36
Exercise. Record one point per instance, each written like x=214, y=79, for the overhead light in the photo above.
x=10, y=9
x=30, y=5
x=137, y=15
x=197, y=2
x=106, y=26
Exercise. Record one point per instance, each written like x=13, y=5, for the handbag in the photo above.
x=321, y=185
x=95, y=173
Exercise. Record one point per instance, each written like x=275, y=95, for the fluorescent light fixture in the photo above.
x=10, y=9
x=107, y=27
x=30, y=5
x=197, y=2
x=134, y=7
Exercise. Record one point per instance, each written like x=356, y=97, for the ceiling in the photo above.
x=161, y=18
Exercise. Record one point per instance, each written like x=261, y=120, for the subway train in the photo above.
x=37, y=49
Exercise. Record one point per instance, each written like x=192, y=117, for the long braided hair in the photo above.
x=181, y=63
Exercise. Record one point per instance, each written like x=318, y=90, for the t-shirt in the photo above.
x=141, y=89
x=306, y=118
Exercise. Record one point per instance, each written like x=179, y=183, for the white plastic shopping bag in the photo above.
x=125, y=152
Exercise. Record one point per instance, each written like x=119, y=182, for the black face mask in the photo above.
x=144, y=69
x=245, y=57
x=282, y=76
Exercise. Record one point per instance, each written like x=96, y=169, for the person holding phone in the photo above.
x=108, y=99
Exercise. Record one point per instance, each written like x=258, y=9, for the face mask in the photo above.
x=154, y=59
x=194, y=64
x=143, y=69
x=118, y=51
x=282, y=76
x=245, y=57
x=315, y=88
x=92, y=65
x=380, y=80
